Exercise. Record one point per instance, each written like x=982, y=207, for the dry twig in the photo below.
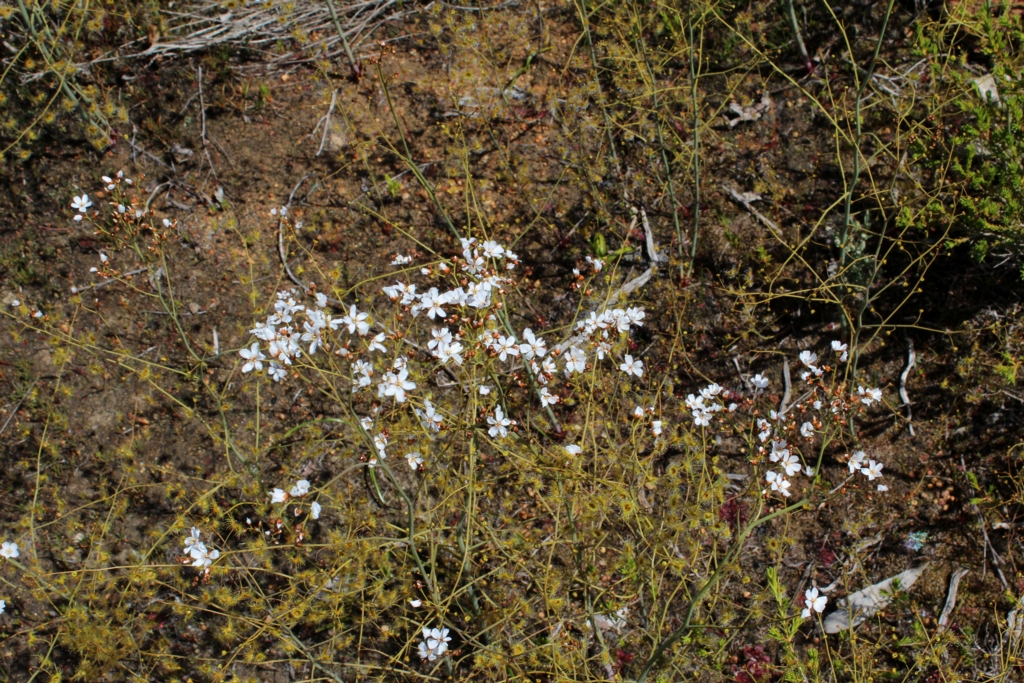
x=326, y=120
x=954, y=584
x=911, y=361
x=997, y=561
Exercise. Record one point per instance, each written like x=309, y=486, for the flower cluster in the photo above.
x=201, y=556
x=81, y=203
x=300, y=489
x=859, y=462
x=776, y=431
x=468, y=321
x=705, y=405
x=434, y=644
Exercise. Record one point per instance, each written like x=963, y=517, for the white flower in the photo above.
x=396, y=385
x=701, y=418
x=632, y=367
x=414, y=459
x=808, y=471
x=356, y=321
x=656, y=427
x=547, y=398
x=81, y=204
x=710, y=391
x=533, y=346
x=9, y=550
x=883, y=488
x=377, y=344
x=778, y=482
x=779, y=449
x=201, y=556
x=638, y=412
x=3, y=606
x=635, y=316
x=441, y=338
x=452, y=352
x=857, y=461
x=400, y=260
x=873, y=470
x=193, y=539
x=254, y=358
x=434, y=644
x=415, y=603
x=808, y=358
x=760, y=382
x=433, y=301
x=484, y=390
x=807, y=430
x=429, y=417
x=840, y=348
x=492, y=249
x=277, y=372
x=278, y=496
x=869, y=396
x=300, y=489
x=499, y=423
x=573, y=449
x=575, y=361
x=791, y=464
x=505, y=347
x=365, y=372
x=814, y=602
x=597, y=263
x=314, y=510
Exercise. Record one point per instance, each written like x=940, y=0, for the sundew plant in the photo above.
x=473, y=496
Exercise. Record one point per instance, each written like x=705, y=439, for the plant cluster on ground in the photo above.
x=521, y=342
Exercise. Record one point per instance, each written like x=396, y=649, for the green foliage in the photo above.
x=50, y=84
x=975, y=147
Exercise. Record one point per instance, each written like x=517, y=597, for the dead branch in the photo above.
x=789, y=387
x=745, y=200
x=326, y=120
x=911, y=361
x=954, y=584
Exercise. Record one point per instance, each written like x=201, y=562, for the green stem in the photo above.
x=696, y=149
x=344, y=40
x=409, y=162
x=861, y=87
